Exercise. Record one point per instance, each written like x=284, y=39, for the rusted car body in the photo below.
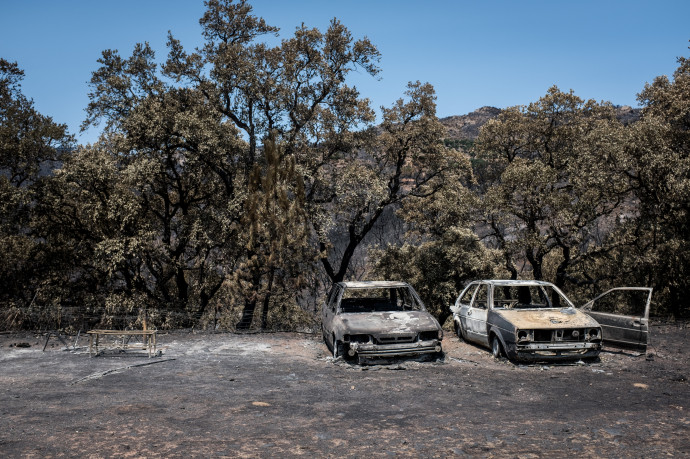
x=526, y=321
x=623, y=314
x=374, y=319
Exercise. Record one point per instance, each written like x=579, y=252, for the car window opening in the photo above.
x=379, y=300
x=527, y=297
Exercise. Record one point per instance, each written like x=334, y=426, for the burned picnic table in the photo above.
x=148, y=338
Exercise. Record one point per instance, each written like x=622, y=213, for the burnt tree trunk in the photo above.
x=267, y=301
x=250, y=303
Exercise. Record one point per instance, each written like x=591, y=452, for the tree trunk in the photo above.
x=267, y=301
x=182, y=286
x=536, y=261
x=247, y=314
x=562, y=267
x=510, y=266
x=250, y=303
x=676, y=303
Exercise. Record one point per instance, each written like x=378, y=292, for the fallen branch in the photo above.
x=116, y=370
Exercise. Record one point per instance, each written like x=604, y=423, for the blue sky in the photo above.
x=475, y=53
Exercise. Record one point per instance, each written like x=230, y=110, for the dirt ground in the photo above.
x=229, y=395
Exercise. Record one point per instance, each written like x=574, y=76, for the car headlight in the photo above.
x=594, y=333
x=524, y=336
x=429, y=335
x=357, y=338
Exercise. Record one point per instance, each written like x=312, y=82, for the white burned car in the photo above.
x=378, y=319
x=526, y=321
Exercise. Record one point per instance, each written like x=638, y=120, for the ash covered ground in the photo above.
x=267, y=395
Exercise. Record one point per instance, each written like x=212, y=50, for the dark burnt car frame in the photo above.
x=376, y=319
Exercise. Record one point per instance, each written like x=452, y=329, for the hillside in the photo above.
x=466, y=127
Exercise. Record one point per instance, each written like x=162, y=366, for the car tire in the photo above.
x=461, y=333
x=496, y=348
x=328, y=345
x=337, y=348
x=458, y=332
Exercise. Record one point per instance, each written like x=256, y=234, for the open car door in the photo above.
x=623, y=314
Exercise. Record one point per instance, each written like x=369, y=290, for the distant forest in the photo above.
x=233, y=184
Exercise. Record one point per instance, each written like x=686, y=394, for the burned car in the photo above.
x=525, y=321
x=376, y=319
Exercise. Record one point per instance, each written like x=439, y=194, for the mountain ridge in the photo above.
x=466, y=127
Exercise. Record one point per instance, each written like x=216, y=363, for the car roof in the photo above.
x=373, y=284
x=512, y=282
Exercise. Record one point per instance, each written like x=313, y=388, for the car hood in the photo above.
x=388, y=322
x=547, y=318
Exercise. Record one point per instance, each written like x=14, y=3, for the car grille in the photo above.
x=572, y=335
x=393, y=339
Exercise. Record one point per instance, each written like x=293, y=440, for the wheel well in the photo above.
x=343, y=343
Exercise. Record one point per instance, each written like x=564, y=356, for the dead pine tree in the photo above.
x=277, y=252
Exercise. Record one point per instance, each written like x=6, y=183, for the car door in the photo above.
x=623, y=314
x=476, y=315
x=328, y=312
x=462, y=306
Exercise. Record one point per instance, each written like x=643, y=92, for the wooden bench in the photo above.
x=148, y=336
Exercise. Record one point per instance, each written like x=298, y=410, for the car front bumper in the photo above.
x=554, y=351
x=390, y=350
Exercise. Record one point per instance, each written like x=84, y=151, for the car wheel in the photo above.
x=325, y=339
x=438, y=356
x=461, y=332
x=337, y=348
x=496, y=349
